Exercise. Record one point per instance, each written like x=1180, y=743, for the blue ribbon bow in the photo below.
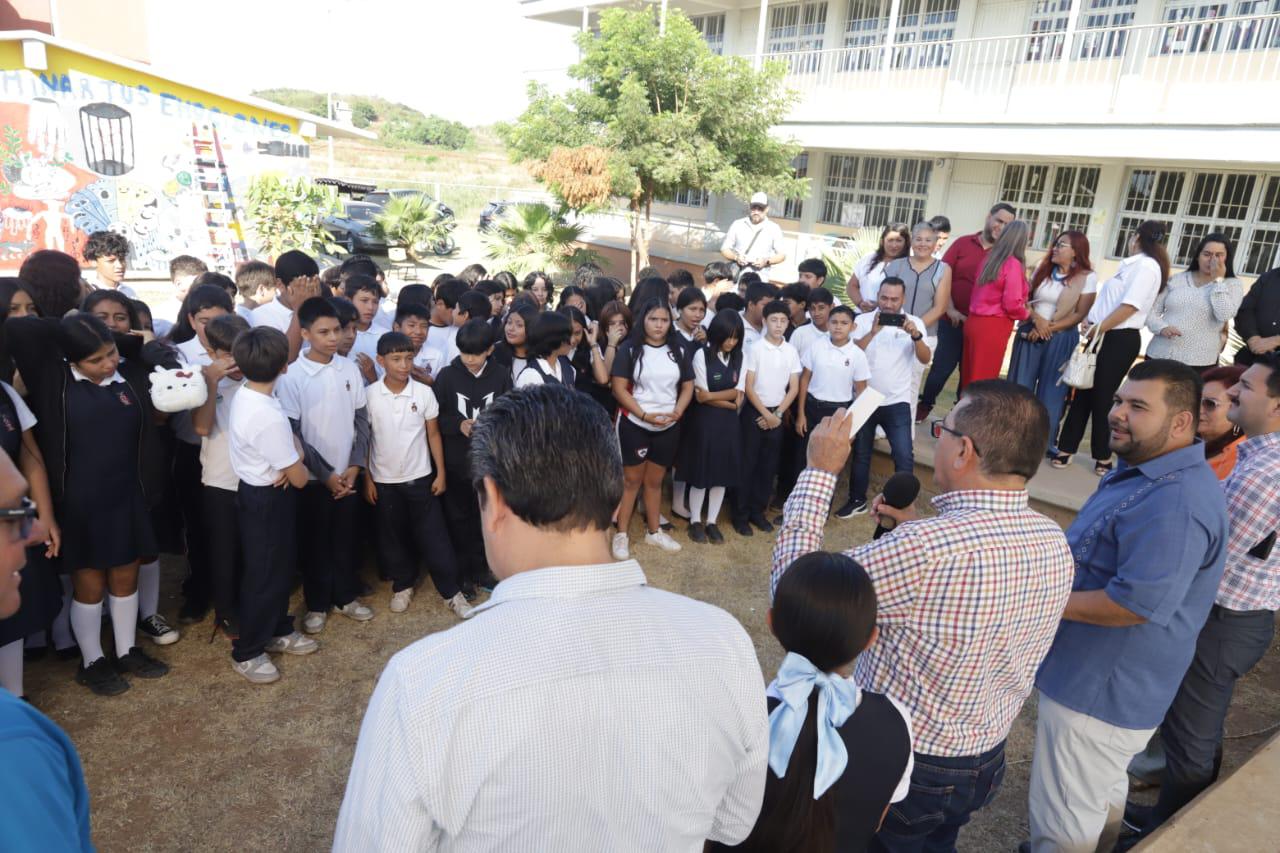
x=838, y=698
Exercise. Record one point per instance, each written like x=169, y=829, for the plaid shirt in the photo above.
x=1253, y=505
x=968, y=605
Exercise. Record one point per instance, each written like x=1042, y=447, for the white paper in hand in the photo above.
x=863, y=408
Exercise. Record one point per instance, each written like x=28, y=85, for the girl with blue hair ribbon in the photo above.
x=838, y=754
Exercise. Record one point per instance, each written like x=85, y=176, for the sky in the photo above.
x=467, y=60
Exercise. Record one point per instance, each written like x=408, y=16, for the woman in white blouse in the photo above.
x=1120, y=310
x=864, y=284
x=1189, y=316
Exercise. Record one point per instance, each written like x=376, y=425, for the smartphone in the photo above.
x=892, y=319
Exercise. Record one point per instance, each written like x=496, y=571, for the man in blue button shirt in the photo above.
x=44, y=804
x=1149, y=547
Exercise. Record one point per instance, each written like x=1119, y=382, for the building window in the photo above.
x=886, y=189
x=864, y=34
x=924, y=34
x=1050, y=199
x=793, y=208
x=1046, y=30
x=687, y=198
x=797, y=30
x=712, y=29
x=1244, y=206
x=1108, y=17
x=1194, y=26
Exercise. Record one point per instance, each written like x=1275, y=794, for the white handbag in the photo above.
x=1079, y=369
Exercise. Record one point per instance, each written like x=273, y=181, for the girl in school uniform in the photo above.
x=512, y=352
x=550, y=342
x=838, y=755
x=613, y=325
x=711, y=452
x=96, y=431
x=653, y=383
x=587, y=359
x=39, y=588
x=691, y=308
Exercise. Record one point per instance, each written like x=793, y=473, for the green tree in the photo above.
x=535, y=237
x=412, y=222
x=286, y=215
x=672, y=114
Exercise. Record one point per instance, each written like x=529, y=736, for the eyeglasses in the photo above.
x=23, y=517
x=938, y=428
x=1209, y=405
x=759, y=206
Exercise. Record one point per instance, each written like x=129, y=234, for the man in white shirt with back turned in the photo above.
x=754, y=242
x=580, y=708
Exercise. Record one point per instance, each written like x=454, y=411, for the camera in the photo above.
x=892, y=319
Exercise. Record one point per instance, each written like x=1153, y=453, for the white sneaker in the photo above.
x=353, y=609
x=459, y=605
x=313, y=622
x=400, y=600
x=662, y=540
x=621, y=547
x=292, y=644
x=259, y=670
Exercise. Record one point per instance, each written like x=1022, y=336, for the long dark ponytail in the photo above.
x=1151, y=236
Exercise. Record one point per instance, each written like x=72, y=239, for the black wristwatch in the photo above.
x=917, y=337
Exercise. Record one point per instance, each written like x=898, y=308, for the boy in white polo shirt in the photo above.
x=217, y=478
x=402, y=414
x=773, y=380
x=836, y=370
x=323, y=396
x=264, y=454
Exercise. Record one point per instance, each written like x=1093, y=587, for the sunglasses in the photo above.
x=937, y=428
x=23, y=517
x=758, y=206
x=1210, y=405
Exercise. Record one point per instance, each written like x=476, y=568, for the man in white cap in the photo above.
x=754, y=242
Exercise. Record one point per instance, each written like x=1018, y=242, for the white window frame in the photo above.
x=894, y=189
x=1047, y=30
x=866, y=25
x=925, y=31
x=793, y=208
x=1192, y=26
x=687, y=197
x=1245, y=205
x=712, y=29
x=797, y=29
x=1051, y=198
x=1108, y=16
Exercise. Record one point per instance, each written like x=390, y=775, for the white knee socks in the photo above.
x=124, y=621
x=148, y=589
x=86, y=625
x=11, y=667
x=677, y=498
x=696, y=497
x=714, y=502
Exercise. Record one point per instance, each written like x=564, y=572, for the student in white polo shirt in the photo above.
x=323, y=396
x=263, y=454
x=836, y=370
x=820, y=302
x=405, y=450
x=759, y=294
x=894, y=343
x=773, y=381
x=278, y=313
x=218, y=479
x=365, y=294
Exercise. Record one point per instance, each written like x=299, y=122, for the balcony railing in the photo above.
x=1175, y=72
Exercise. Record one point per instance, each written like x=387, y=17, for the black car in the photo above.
x=492, y=212
x=381, y=197
x=350, y=228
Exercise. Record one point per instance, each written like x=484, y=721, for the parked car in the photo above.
x=492, y=212
x=350, y=228
x=381, y=197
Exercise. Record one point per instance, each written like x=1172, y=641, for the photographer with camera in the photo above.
x=894, y=342
x=754, y=242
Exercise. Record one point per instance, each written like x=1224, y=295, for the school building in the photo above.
x=1087, y=114
x=93, y=138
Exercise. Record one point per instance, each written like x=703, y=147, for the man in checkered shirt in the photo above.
x=1242, y=620
x=969, y=600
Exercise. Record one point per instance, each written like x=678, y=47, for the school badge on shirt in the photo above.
x=8, y=425
x=413, y=407
x=124, y=399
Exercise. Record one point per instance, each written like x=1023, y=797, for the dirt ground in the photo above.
x=201, y=759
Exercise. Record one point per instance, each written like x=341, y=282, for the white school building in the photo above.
x=1088, y=114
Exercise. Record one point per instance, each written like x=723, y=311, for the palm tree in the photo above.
x=413, y=222
x=535, y=237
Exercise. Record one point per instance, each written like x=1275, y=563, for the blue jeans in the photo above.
x=1035, y=366
x=946, y=358
x=896, y=420
x=945, y=792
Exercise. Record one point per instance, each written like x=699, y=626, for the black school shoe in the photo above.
x=101, y=677
x=761, y=524
x=697, y=533
x=743, y=528
x=139, y=663
x=714, y=535
x=192, y=612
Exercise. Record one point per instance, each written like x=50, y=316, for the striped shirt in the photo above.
x=579, y=709
x=968, y=600
x=1250, y=581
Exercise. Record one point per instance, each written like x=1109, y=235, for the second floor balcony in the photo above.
x=1223, y=71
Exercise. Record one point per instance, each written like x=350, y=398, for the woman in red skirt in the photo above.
x=999, y=300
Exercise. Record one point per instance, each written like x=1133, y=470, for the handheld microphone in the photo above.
x=899, y=492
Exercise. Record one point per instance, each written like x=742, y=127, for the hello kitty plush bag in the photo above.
x=178, y=389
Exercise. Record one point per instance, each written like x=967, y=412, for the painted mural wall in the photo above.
x=90, y=146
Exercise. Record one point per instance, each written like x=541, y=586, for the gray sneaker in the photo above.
x=259, y=670
x=313, y=622
x=292, y=644
x=458, y=604
x=355, y=610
